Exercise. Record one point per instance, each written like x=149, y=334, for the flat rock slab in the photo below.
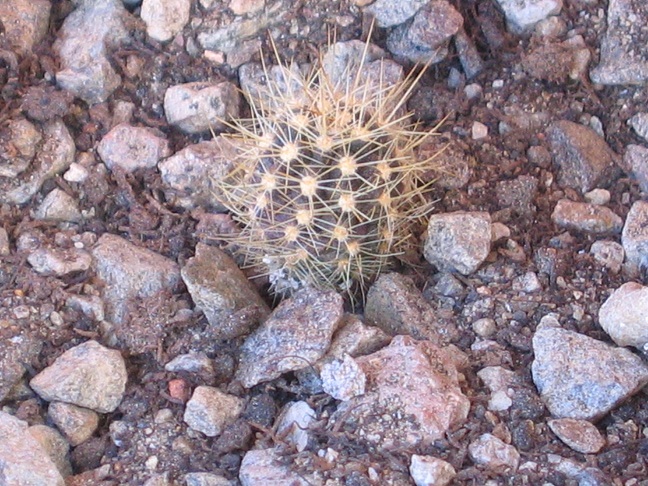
x=130, y=272
x=88, y=375
x=582, y=378
x=412, y=395
x=296, y=334
x=23, y=461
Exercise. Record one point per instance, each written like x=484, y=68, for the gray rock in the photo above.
x=624, y=316
x=59, y=206
x=634, y=237
x=597, y=196
x=130, y=272
x=293, y=422
x=265, y=466
x=635, y=160
x=220, y=289
x=412, y=395
x=428, y=470
x=199, y=107
x=88, y=375
x=55, y=445
x=584, y=158
x=469, y=56
x=609, y=253
x=580, y=377
x=90, y=305
x=165, y=18
x=206, y=479
x=210, y=410
x=580, y=435
x=493, y=453
x=131, y=148
x=23, y=461
x=54, y=156
x=589, y=218
x=17, y=349
x=523, y=15
x=297, y=333
x=191, y=172
x=356, y=339
x=426, y=38
x=77, y=424
x=518, y=194
x=83, y=38
x=498, y=380
x=19, y=141
x=396, y=306
x=623, y=56
x=342, y=378
x=59, y=261
x=459, y=241
x=25, y=23
x=192, y=363
x=4, y=243
x=639, y=124
x=393, y=12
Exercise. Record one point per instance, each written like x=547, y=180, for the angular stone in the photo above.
x=165, y=18
x=265, y=466
x=459, y=241
x=412, y=395
x=586, y=217
x=59, y=261
x=580, y=377
x=293, y=422
x=59, y=206
x=19, y=143
x=523, y=15
x=130, y=272
x=634, y=237
x=342, y=378
x=23, y=461
x=25, y=23
x=580, y=435
x=431, y=471
x=297, y=333
x=88, y=375
x=393, y=12
x=585, y=159
x=132, y=148
x=624, y=316
x=608, y=253
x=494, y=453
x=55, y=445
x=356, y=339
x=76, y=423
x=220, y=289
x=635, y=160
x=210, y=410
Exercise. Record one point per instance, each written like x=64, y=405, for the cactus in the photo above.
x=327, y=187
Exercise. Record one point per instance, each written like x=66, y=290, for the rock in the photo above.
x=220, y=289
x=191, y=172
x=393, y=12
x=25, y=23
x=589, y=218
x=59, y=206
x=498, y=380
x=518, y=194
x=131, y=148
x=243, y=7
x=22, y=459
x=527, y=283
x=431, y=471
x=579, y=377
x=192, y=362
x=59, y=261
x=624, y=316
x=356, y=339
x=293, y=422
x=639, y=124
x=77, y=424
x=165, y=18
x=559, y=62
x=130, y=272
x=265, y=466
x=600, y=197
x=210, y=410
x=494, y=453
x=412, y=395
x=580, y=435
x=297, y=333
x=88, y=375
x=635, y=160
x=426, y=38
x=206, y=479
x=608, y=253
x=19, y=142
x=54, y=156
x=623, y=59
x=396, y=306
x=584, y=158
x=470, y=58
x=17, y=350
x=479, y=131
x=5, y=250
x=200, y=107
x=459, y=241
x=342, y=378
x=56, y=447
x=523, y=15
x=76, y=173
x=90, y=305
x=82, y=42
x=634, y=236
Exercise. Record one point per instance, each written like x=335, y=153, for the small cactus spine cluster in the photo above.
x=327, y=187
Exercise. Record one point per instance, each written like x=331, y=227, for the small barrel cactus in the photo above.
x=327, y=187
